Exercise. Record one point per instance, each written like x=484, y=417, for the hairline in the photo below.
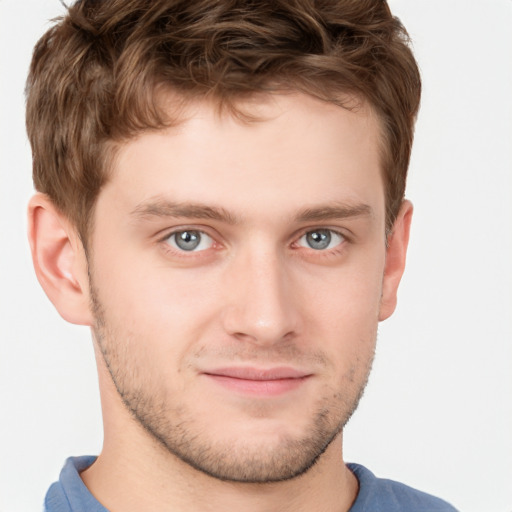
x=111, y=147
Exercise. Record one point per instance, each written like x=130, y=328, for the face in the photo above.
x=236, y=275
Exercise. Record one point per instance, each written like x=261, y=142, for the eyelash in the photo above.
x=176, y=252
x=332, y=234
x=295, y=245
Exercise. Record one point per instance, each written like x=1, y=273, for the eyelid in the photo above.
x=332, y=232
x=344, y=233
x=165, y=234
x=204, y=241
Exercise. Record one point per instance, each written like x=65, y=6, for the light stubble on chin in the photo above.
x=179, y=433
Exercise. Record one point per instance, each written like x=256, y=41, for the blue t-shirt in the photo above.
x=70, y=494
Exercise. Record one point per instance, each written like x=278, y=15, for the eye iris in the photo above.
x=187, y=240
x=319, y=239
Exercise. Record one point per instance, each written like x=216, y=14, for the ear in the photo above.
x=59, y=260
x=395, y=260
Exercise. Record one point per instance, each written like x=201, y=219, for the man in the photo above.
x=221, y=199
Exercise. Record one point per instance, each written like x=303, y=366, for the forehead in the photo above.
x=285, y=150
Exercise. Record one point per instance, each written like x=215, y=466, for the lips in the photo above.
x=259, y=381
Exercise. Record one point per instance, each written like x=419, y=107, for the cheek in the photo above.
x=157, y=307
x=346, y=311
x=348, y=298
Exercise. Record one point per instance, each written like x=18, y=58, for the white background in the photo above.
x=438, y=411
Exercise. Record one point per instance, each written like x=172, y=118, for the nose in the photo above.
x=261, y=306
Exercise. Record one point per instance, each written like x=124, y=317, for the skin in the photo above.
x=254, y=298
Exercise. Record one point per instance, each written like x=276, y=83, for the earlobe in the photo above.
x=396, y=253
x=59, y=260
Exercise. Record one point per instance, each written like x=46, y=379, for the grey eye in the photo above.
x=190, y=240
x=320, y=239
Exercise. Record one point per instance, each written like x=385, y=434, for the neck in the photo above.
x=131, y=478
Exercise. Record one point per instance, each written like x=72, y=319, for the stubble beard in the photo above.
x=175, y=427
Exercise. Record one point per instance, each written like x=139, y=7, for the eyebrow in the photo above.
x=165, y=208
x=335, y=211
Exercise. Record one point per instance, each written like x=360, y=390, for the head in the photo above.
x=223, y=204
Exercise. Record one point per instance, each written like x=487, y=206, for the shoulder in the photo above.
x=70, y=493
x=55, y=500
x=382, y=495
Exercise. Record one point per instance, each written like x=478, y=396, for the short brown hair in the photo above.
x=94, y=77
